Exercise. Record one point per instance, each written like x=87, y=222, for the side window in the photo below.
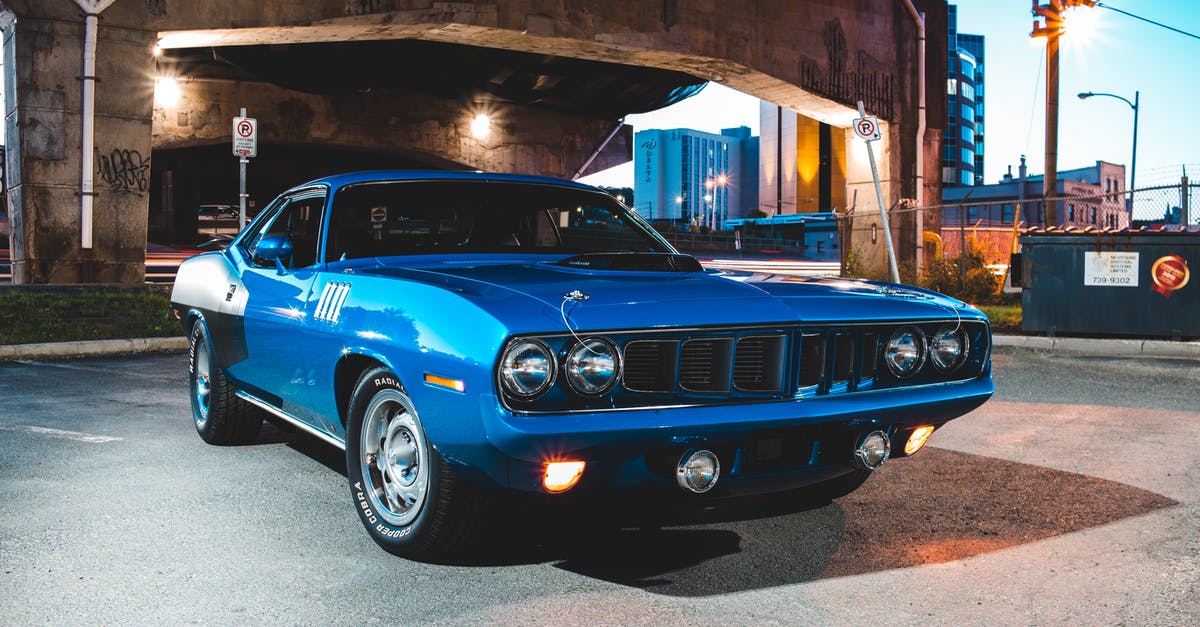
x=300, y=221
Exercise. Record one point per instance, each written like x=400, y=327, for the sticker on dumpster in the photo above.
x=1170, y=273
x=1110, y=269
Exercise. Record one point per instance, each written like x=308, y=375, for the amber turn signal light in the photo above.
x=562, y=476
x=917, y=439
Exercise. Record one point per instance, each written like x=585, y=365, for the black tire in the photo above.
x=408, y=498
x=219, y=415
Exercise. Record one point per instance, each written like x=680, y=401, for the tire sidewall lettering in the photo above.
x=380, y=530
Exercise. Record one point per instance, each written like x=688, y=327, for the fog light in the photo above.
x=917, y=439
x=698, y=471
x=872, y=450
x=562, y=476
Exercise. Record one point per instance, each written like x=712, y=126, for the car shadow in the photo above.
x=279, y=432
x=938, y=506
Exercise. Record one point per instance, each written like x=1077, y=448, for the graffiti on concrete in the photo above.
x=847, y=77
x=125, y=171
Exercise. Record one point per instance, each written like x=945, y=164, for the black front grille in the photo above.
x=650, y=365
x=704, y=364
x=664, y=367
x=758, y=364
x=843, y=357
x=812, y=359
x=870, y=355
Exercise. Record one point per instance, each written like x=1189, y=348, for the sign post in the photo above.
x=245, y=145
x=867, y=128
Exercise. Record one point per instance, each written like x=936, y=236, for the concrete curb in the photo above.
x=92, y=348
x=1105, y=347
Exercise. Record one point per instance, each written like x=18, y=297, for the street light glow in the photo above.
x=481, y=126
x=1086, y=27
x=166, y=91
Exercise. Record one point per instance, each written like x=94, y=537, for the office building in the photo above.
x=963, y=139
x=695, y=179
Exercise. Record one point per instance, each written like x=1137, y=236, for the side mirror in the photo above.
x=274, y=248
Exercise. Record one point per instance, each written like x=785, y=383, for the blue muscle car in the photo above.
x=464, y=333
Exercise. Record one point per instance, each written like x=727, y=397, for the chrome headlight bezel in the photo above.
x=509, y=370
x=943, y=334
x=577, y=364
x=892, y=350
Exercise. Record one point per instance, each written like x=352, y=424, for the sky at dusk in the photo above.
x=1102, y=51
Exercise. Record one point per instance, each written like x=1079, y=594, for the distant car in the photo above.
x=217, y=220
x=207, y=213
x=465, y=334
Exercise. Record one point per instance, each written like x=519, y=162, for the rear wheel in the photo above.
x=219, y=415
x=406, y=495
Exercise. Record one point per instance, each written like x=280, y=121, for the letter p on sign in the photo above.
x=867, y=128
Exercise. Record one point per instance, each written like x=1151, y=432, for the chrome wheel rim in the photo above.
x=394, y=458
x=202, y=380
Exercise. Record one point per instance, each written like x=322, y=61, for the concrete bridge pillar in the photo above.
x=43, y=55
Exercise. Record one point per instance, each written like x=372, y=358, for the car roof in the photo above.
x=340, y=180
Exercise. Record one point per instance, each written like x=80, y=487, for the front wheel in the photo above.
x=406, y=495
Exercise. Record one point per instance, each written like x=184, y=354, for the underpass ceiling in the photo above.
x=458, y=72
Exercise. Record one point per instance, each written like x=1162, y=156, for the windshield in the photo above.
x=438, y=217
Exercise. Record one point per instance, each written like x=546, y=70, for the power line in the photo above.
x=1037, y=80
x=1149, y=21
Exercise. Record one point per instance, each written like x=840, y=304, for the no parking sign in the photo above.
x=867, y=127
x=245, y=137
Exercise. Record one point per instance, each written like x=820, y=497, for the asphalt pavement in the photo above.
x=1071, y=497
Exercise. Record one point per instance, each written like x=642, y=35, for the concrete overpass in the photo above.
x=351, y=83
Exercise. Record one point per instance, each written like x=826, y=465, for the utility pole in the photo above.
x=1052, y=30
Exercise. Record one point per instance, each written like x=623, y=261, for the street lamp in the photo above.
x=711, y=185
x=1133, y=161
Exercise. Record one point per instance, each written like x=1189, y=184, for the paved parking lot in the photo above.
x=1072, y=496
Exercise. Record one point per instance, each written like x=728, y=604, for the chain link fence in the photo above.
x=993, y=224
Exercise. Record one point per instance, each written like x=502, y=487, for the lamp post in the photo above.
x=1133, y=161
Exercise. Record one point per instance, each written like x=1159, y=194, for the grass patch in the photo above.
x=1003, y=317
x=59, y=314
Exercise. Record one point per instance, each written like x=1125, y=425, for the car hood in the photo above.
x=537, y=296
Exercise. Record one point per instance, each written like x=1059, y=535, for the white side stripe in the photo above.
x=340, y=299
x=324, y=302
x=332, y=298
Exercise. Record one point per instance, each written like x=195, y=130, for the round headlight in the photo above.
x=527, y=369
x=905, y=352
x=948, y=348
x=593, y=366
